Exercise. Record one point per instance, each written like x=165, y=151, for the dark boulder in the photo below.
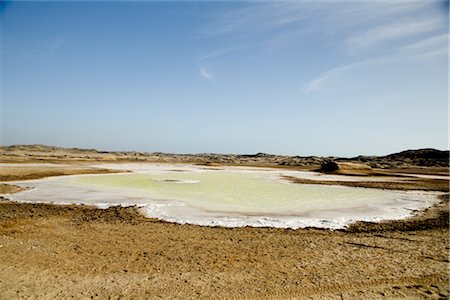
x=329, y=167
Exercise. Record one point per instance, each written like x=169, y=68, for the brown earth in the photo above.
x=10, y=188
x=421, y=184
x=30, y=171
x=66, y=252
x=425, y=159
x=73, y=252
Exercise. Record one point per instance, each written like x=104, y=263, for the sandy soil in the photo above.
x=422, y=184
x=64, y=252
x=12, y=172
x=10, y=188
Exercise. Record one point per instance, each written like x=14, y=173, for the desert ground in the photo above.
x=73, y=252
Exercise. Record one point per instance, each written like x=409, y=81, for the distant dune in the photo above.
x=406, y=159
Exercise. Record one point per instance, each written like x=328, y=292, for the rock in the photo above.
x=329, y=167
x=345, y=168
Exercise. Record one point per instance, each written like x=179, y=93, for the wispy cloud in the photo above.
x=205, y=73
x=224, y=51
x=317, y=82
x=273, y=26
x=256, y=18
x=396, y=41
x=393, y=31
x=440, y=40
x=424, y=53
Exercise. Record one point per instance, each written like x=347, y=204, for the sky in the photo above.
x=325, y=78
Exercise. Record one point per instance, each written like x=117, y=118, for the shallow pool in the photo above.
x=227, y=197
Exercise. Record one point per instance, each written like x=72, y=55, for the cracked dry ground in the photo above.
x=64, y=252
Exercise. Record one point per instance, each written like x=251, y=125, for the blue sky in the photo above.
x=300, y=78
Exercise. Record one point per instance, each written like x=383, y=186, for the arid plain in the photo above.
x=64, y=252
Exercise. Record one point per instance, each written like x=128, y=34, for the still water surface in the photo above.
x=228, y=197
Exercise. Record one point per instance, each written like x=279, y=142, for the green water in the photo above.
x=250, y=193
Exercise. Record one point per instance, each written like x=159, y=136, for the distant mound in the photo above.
x=421, y=157
x=345, y=168
x=45, y=148
x=427, y=157
x=355, y=165
x=420, y=154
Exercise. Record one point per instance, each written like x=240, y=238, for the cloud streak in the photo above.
x=263, y=17
x=393, y=31
x=318, y=82
x=205, y=73
x=440, y=40
x=272, y=26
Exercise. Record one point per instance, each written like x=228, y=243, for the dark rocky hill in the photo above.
x=420, y=154
x=427, y=157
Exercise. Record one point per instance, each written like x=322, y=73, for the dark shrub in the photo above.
x=329, y=167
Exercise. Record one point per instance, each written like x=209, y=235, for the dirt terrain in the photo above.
x=35, y=171
x=422, y=160
x=73, y=252
x=401, y=183
x=64, y=252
